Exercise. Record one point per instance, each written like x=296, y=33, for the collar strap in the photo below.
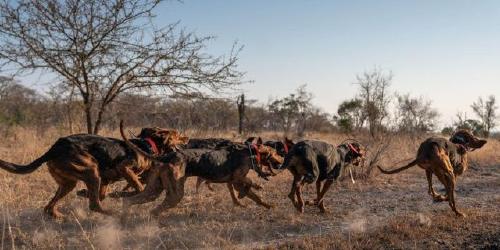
x=351, y=148
x=285, y=146
x=152, y=144
x=257, y=153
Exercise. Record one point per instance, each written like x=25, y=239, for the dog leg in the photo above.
x=93, y=183
x=175, y=193
x=444, y=172
x=436, y=197
x=233, y=195
x=291, y=195
x=209, y=186
x=300, y=201
x=172, y=179
x=199, y=181
x=151, y=192
x=320, y=199
x=64, y=188
x=130, y=176
x=102, y=192
x=253, y=196
x=451, y=194
x=318, y=191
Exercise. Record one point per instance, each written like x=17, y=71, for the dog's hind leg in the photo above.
x=444, y=171
x=320, y=200
x=233, y=195
x=300, y=201
x=93, y=183
x=291, y=195
x=318, y=191
x=436, y=197
x=253, y=196
x=65, y=186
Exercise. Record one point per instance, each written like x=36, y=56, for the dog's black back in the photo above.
x=106, y=151
x=321, y=160
x=214, y=165
x=209, y=143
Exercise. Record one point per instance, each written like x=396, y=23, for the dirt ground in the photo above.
x=381, y=212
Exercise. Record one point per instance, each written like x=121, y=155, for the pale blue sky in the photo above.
x=447, y=51
x=444, y=50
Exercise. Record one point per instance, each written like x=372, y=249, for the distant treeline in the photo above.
x=294, y=114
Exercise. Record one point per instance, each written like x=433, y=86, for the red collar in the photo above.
x=257, y=153
x=285, y=146
x=353, y=149
x=151, y=143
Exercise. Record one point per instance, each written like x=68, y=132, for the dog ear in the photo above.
x=259, y=141
x=477, y=143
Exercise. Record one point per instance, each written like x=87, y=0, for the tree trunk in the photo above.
x=98, y=122
x=241, y=112
x=88, y=114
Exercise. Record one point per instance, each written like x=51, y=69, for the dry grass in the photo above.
x=379, y=212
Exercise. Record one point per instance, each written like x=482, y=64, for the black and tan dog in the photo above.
x=320, y=162
x=97, y=161
x=447, y=159
x=228, y=165
x=281, y=147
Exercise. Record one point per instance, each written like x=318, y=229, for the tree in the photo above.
x=373, y=91
x=104, y=48
x=350, y=115
x=415, y=115
x=463, y=122
x=291, y=110
x=486, y=112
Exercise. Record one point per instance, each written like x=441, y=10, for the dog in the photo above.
x=320, y=162
x=447, y=159
x=281, y=148
x=97, y=161
x=227, y=165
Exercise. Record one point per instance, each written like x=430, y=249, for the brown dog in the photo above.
x=97, y=161
x=227, y=165
x=447, y=160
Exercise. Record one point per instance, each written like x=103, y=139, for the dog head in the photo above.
x=467, y=140
x=165, y=139
x=281, y=147
x=268, y=155
x=355, y=154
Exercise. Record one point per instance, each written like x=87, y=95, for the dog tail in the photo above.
x=397, y=170
x=31, y=167
x=134, y=147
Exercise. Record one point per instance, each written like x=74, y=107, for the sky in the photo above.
x=447, y=51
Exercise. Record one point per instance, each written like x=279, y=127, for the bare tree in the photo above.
x=415, y=115
x=486, y=112
x=106, y=47
x=373, y=91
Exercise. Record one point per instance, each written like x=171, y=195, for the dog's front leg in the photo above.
x=126, y=170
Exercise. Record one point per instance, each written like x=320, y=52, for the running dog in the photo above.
x=447, y=159
x=97, y=161
x=320, y=162
x=227, y=165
